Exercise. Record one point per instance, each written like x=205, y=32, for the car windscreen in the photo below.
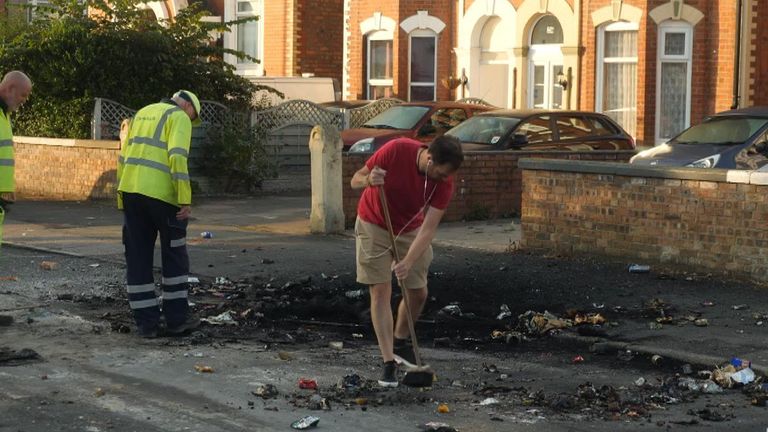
x=722, y=130
x=397, y=117
x=484, y=129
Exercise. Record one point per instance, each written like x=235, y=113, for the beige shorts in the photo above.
x=374, y=257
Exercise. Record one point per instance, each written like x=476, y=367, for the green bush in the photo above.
x=235, y=154
x=115, y=53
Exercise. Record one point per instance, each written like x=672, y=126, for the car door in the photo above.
x=575, y=133
x=534, y=133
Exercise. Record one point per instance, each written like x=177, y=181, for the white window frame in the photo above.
x=32, y=13
x=433, y=84
x=230, y=39
x=601, y=60
x=687, y=58
x=381, y=35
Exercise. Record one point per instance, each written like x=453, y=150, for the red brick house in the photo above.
x=656, y=66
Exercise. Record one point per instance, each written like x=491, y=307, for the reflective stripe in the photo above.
x=180, y=176
x=175, y=280
x=142, y=304
x=121, y=159
x=134, y=289
x=148, y=141
x=163, y=119
x=175, y=295
x=6, y=162
x=155, y=140
x=6, y=143
x=178, y=151
x=179, y=242
x=148, y=163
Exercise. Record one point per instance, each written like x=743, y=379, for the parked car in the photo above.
x=542, y=130
x=730, y=139
x=423, y=121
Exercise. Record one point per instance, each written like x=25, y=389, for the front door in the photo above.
x=545, y=64
x=546, y=92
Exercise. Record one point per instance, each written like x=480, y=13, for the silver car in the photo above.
x=736, y=139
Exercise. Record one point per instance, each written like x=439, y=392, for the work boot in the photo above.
x=389, y=375
x=188, y=325
x=147, y=332
x=404, y=355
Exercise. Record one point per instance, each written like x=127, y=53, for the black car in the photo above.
x=736, y=139
x=541, y=130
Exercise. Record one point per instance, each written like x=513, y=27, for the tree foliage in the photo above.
x=115, y=51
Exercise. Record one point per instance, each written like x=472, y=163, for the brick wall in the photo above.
x=399, y=11
x=712, y=64
x=683, y=217
x=488, y=185
x=319, y=45
x=278, y=38
x=61, y=169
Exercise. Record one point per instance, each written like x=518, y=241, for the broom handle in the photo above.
x=411, y=328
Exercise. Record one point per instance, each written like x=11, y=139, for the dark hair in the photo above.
x=446, y=149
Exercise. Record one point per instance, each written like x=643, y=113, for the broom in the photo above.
x=420, y=375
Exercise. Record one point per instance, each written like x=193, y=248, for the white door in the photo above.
x=546, y=63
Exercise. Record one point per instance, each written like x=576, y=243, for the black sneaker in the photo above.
x=404, y=355
x=389, y=375
x=190, y=324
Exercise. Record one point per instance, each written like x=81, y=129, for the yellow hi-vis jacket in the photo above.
x=7, y=181
x=153, y=158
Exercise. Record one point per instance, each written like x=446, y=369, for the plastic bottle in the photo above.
x=639, y=268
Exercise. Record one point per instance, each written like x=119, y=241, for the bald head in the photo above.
x=15, y=89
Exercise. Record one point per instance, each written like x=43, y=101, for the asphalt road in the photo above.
x=91, y=378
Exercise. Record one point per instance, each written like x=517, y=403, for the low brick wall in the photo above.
x=65, y=169
x=713, y=220
x=488, y=185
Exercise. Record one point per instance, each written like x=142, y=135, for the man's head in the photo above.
x=187, y=101
x=445, y=157
x=15, y=89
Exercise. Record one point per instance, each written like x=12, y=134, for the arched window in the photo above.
x=547, y=31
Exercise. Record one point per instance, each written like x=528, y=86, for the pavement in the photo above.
x=265, y=225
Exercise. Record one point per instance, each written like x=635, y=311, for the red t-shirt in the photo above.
x=404, y=185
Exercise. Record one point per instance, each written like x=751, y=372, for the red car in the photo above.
x=423, y=121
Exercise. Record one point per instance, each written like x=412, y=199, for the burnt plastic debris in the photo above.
x=305, y=422
x=317, y=402
x=639, y=268
x=740, y=363
x=266, y=391
x=350, y=383
x=505, y=313
x=438, y=427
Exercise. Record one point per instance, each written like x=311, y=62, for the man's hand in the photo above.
x=183, y=212
x=376, y=176
x=401, y=269
x=8, y=196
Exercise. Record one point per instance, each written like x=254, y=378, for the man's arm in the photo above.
x=422, y=241
x=178, y=153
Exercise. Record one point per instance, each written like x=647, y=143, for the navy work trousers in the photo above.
x=144, y=218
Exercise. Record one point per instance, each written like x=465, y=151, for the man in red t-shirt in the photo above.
x=418, y=185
